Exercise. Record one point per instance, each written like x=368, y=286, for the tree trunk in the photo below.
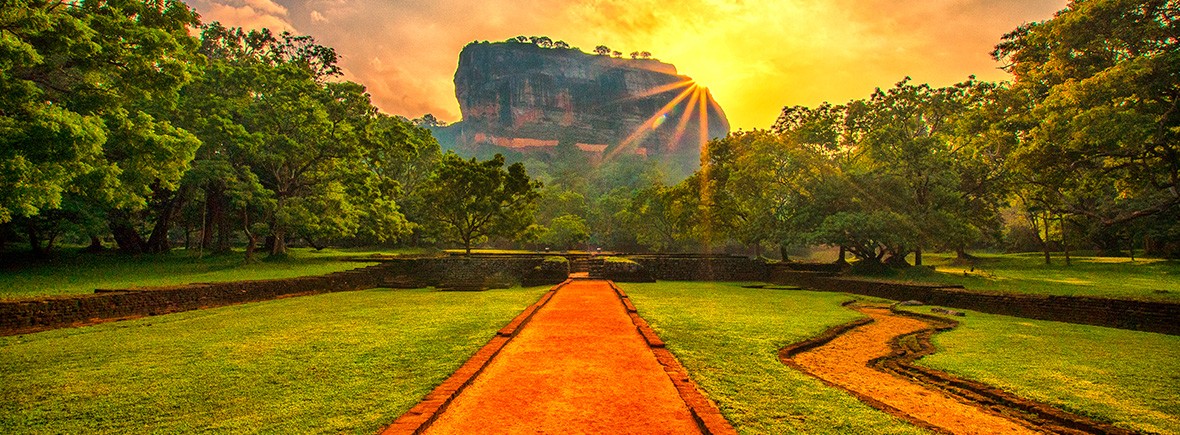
x=314, y=245
x=279, y=249
x=1044, y=240
x=1064, y=241
x=251, y=238
x=961, y=254
x=843, y=259
x=34, y=238
x=129, y=240
x=95, y=245
x=918, y=257
x=50, y=238
x=225, y=225
x=1132, y=247
x=166, y=210
x=782, y=253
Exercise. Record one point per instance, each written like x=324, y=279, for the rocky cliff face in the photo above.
x=518, y=97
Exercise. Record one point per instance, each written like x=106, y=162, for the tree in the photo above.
x=88, y=88
x=566, y=232
x=919, y=154
x=910, y=132
x=428, y=121
x=311, y=145
x=398, y=158
x=467, y=201
x=616, y=54
x=645, y=55
x=666, y=218
x=634, y=55
x=1094, y=110
x=602, y=50
x=762, y=185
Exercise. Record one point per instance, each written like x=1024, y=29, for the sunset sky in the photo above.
x=755, y=56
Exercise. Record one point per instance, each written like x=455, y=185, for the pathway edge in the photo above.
x=704, y=411
x=420, y=417
x=908, y=348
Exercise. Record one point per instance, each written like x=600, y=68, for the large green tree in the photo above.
x=912, y=154
x=762, y=187
x=466, y=201
x=1094, y=111
x=88, y=89
x=326, y=164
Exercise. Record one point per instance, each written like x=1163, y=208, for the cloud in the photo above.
x=267, y=7
x=250, y=14
x=755, y=56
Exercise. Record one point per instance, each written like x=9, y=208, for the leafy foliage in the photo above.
x=468, y=200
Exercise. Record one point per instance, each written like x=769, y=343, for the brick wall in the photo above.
x=618, y=271
x=458, y=273
x=1161, y=317
x=464, y=273
x=36, y=315
x=702, y=267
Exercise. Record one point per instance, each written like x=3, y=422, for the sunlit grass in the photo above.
x=1148, y=279
x=1126, y=377
x=80, y=273
x=345, y=362
x=728, y=337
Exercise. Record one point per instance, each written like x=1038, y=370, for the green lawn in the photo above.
x=340, y=362
x=1127, y=377
x=728, y=338
x=77, y=273
x=1114, y=277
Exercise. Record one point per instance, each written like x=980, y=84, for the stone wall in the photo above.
x=449, y=273
x=36, y=315
x=702, y=267
x=1161, y=317
x=476, y=272
x=625, y=271
x=548, y=272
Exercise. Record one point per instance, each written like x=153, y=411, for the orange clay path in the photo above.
x=844, y=362
x=578, y=366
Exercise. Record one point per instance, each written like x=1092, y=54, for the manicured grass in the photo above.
x=346, y=362
x=79, y=273
x=728, y=338
x=1126, y=377
x=1113, y=277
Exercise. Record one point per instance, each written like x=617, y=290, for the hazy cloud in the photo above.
x=755, y=56
x=252, y=14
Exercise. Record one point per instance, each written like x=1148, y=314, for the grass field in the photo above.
x=1127, y=377
x=71, y=272
x=1113, y=277
x=346, y=362
x=728, y=338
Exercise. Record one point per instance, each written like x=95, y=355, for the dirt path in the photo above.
x=578, y=366
x=844, y=361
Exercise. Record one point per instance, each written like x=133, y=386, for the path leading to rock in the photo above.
x=578, y=366
x=844, y=361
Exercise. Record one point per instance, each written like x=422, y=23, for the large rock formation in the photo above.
x=521, y=98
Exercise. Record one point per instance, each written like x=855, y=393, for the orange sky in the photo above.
x=755, y=56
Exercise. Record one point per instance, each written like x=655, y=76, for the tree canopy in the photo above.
x=467, y=201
